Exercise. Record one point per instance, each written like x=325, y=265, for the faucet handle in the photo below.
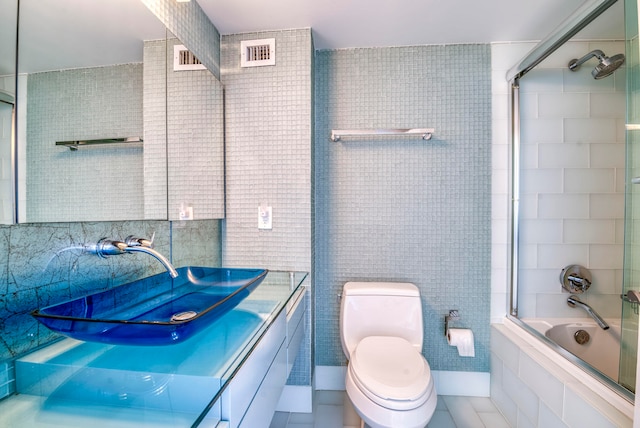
x=133, y=241
x=575, y=279
x=107, y=247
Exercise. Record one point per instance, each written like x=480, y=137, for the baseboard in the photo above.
x=471, y=384
x=296, y=399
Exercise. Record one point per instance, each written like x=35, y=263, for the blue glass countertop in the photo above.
x=74, y=383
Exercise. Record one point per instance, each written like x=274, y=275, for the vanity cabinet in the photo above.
x=252, y=395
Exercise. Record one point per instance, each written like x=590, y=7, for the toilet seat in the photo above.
x=391, y=372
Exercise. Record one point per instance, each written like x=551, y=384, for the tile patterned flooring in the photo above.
x=332, y=409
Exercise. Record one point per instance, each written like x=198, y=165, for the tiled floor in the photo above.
x=332, y=409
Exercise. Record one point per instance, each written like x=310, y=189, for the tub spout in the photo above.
x=162, y=259
x=574, y=301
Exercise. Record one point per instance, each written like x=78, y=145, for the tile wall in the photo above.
x=405, y=209
x=269, y=161
x=80, y=104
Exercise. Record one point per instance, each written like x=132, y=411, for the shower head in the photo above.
x=605, y=67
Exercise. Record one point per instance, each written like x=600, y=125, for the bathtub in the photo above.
x=600, y=348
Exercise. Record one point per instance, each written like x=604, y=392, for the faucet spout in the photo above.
x=574, y=301
x=162, y=259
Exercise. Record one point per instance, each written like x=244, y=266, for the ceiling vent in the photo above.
x=256, y=53
x=184, y=60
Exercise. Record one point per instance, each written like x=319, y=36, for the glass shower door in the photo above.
x=631, y=279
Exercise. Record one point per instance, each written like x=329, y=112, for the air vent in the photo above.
x=256, y=53
x=184, y=60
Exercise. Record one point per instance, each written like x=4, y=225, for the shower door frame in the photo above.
x=569, y=28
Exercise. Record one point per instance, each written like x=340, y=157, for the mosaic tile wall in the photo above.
x=44, y=264
x=79, y=104
x=269, y=160
x=195, y=142
x=155, y=129
x=189, y=23
x=405, y=209
x=183, y=118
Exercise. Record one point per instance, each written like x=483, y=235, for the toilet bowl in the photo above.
x=388, y=380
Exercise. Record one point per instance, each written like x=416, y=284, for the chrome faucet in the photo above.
x=574, y=301
x=107, y=247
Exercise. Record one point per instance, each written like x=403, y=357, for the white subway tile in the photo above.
x=563, y=105
x=499, y=83
x=536, y=231
x=560, y=255
x=542, y=80
x=620, y=180
x=619, y=231
x=499, y=181
x=589, y=231
x=606, y=205
x=528, y=206
x=499, y=206
x=542, y=130
x=532, y=281
x=528, y=255
x=607, y=155
x=591, y=130
x=592, y=180
x=579, y=412
x=499, y=280
x=605, y=281
x=529, y=156
x=499, y=231
x=498, y=256
x=499, y=107
x=500, y=156
x=523, y=395
x=542, y=181
x=500, y=132
x=563, y=205
x=529, y=106
x=608, y=104
x=544, y=384
x=602, y=256
x=563, y=155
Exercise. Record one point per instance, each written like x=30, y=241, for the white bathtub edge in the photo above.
x=579, y=376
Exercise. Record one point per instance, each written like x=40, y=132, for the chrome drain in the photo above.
x=581, y=337
x=183, y=316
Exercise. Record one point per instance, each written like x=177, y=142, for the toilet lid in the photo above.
x=390, y=368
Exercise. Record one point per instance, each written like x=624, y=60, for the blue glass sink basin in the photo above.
x=153, y=311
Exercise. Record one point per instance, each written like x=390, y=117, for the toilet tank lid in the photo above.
x=380, y=289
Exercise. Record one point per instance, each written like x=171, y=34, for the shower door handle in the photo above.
x=632, y=296
x=635, y=180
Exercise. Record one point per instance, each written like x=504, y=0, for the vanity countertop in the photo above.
x=76, y=383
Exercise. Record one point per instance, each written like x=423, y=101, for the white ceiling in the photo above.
x=369, y=23
x=74, y=33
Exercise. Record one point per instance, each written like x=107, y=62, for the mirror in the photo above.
x=99, y=75
x=8, y=31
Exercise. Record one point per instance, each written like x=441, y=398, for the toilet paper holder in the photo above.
x=454, y=315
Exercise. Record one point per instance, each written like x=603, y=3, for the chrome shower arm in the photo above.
x=575, y=63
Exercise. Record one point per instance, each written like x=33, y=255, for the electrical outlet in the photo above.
x=265, y=218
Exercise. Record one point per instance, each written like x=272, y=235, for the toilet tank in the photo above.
x=380, y=309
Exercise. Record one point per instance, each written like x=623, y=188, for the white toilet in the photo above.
x=388, y=380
